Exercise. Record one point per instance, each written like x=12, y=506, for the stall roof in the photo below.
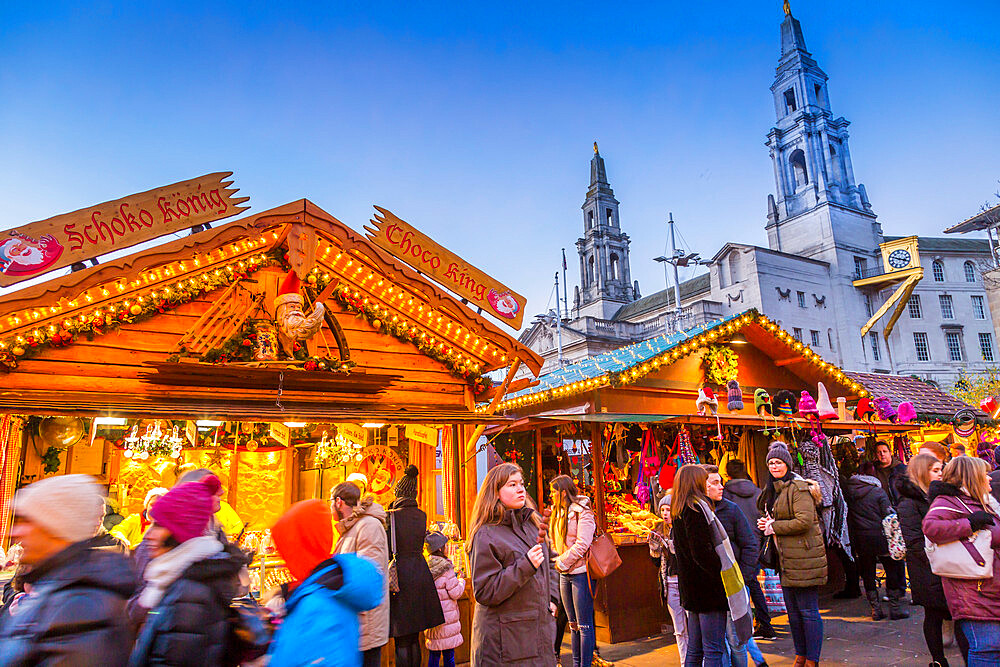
x=627, y=364
x=978, y=222
x=927, y=399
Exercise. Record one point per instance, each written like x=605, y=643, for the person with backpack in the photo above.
x=191, y=580
x=327, y=594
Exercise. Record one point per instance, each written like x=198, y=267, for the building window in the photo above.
x=790, y=104
x=954, y=342
x=986, y=346
x=860, y=264
x=876, y=354
x=814, y=337
x=802, y=299
x=590, y=270
x=914, y=306
x=798, y=162
x=947, y=312
x=590, y=219
x=937, y=269
x=829, y=338
x=797, y=333
x=608, y=216
x=920, y=345
x=868, y=305
x=970, y=272
x=978, y=309
x=614, y=267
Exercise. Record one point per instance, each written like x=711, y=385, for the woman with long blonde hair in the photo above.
x=572, y=527
x=925, y=586
x=961, y=505
x=699, y=569
x=510, y=575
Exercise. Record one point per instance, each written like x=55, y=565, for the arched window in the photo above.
x=937, y=268
x=590, y=270
x=614, y=267
x=798, y=162
x=734, y=268
x=590, y=219
x=835, y=163
x=970, y=272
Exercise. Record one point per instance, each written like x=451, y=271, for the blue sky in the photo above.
x=474, y=121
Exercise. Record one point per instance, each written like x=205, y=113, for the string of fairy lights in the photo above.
x=121, y=301
x=644, y=364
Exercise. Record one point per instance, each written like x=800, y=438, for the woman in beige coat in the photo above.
x=573, y=526
x=515, y=594
x=362, y=532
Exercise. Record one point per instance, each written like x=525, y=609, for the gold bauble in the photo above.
x=18, y=351
x=136, y=309
x=61, y=432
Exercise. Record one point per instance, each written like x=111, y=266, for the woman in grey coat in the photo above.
x=512, y=578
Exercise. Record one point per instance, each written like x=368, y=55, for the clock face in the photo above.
x=899, y=258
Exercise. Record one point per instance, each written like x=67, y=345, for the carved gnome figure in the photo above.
x=293, y=324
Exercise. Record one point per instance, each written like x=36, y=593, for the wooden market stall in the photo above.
x=639, y=404
x=180, y=356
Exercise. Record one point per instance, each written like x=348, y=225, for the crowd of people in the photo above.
x=169, y=586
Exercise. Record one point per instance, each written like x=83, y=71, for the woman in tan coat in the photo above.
x=515, y=593
x=788, y=505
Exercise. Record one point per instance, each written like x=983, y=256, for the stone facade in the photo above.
x=822, y=235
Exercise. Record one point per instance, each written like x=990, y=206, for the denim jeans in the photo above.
x=579, y=604
x=760, y=613
x=984, y=642
x=678, y=618
x=737, y=652
x=755, y=652
x=804, y=620
x=444, y=658
x=706, y=639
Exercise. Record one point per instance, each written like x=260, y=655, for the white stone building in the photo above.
x=822, y=235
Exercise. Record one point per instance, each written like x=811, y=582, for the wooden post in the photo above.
x=597, y=467
x=234, y=471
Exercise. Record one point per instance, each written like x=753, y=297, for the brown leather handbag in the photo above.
x=602, y=558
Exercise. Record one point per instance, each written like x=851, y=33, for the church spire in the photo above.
x=598, y=173
x=792, y=39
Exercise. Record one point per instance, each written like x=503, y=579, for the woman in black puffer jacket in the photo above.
x=925, y=586
x=867, y=504
x=189, y=583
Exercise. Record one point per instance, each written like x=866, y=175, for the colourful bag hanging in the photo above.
x=770, y=583
x=650, y=460
x=685, y=452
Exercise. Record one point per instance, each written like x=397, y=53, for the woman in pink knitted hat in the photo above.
x=189, y=583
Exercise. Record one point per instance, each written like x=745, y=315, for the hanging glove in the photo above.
x=981, y=519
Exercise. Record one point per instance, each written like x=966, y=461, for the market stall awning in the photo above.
x=630, y=364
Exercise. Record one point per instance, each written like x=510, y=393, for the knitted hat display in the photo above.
x=779, y=450
x=69, y=507
x=303, y=536
x=187, y=508
x=707, y=404
x=435, y=541
x=762, y=402
x=407, y=487
x=734, y=395
x=807, y=405
x=885, y=410
x=905, y=412
x=784, y=403
x=864, y=410
x=823, y=404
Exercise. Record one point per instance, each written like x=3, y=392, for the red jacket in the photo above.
x=947, y=521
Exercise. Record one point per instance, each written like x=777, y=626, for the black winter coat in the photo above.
x=416, y=606
x=75, y=614
x=890, y=476
x=743, y=538
x=867, y=505
x=925, y=586
x=699, y=570
x=190, y=626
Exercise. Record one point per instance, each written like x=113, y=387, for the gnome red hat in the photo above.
x=807, y=406
x=288, y=292
x=864, y=411
x=187, y=508
x=823, y=404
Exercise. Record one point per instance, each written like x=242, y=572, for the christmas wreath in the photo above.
x=720, y=364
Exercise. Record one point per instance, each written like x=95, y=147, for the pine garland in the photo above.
x=108, y=318
x=720, y=364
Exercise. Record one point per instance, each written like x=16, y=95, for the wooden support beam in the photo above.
x=597, y=468
x=470, y=446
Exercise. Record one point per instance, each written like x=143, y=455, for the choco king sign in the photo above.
x=46, y=245
x=400, y=239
